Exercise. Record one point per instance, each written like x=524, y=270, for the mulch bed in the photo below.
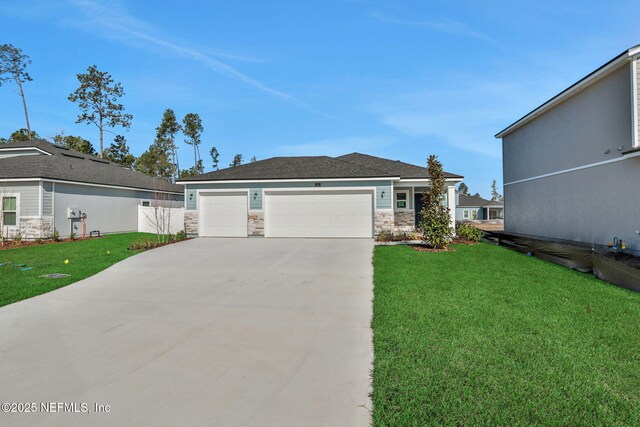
x=457, y=241
x=425, y=248
x=12, y=244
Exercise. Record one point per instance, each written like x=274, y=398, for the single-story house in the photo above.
x=354, y=195
x=45, y=187
x=571, y=165
x=474, y=208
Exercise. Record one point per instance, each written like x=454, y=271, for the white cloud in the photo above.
x=466, y=115
x=446, y=26
x=111, y=20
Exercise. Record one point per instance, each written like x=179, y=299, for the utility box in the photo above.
x=73, y=213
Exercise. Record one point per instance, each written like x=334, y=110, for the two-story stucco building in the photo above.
x=571, y=166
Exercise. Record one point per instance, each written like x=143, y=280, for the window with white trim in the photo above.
x=465, y=214
x=402, y=200
x=10, y=210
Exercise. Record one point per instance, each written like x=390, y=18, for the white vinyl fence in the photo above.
x=160, y=220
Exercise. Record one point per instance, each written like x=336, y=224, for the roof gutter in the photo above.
x=571, y=90
x=249, y=181
x=89, y=184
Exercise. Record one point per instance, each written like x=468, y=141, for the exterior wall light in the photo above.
x=255, y=196
x=190, y=196
x=382, y=195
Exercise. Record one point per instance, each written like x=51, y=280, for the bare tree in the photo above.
x=162, y=205
x=13, y=66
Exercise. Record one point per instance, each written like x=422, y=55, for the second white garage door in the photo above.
x=223, y=214
x=319, y=214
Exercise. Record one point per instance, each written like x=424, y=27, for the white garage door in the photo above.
x=319, y=214
x=223, y=214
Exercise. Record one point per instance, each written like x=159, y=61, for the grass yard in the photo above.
x=86, y=258
x=488, y=336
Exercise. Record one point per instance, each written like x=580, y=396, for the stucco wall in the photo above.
x=586, y=128
x=591, y=205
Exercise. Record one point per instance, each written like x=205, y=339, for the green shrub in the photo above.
x=181, y=235
x=469, y=232
x=398, y=236
x=55, y=236
x=144, y=245
x=18, y=238
x=72, y=236
x=435, y=222
x=385, y=236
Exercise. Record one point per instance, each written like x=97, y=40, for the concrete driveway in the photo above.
x=233, y=332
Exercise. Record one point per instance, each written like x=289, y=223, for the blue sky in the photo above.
x=398, y=79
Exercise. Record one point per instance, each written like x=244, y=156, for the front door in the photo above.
x=417, y=203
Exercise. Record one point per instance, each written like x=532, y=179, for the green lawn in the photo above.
x=488, y=336
x=86, y=258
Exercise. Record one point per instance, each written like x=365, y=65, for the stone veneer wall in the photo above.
x=191, y=222
x=405, y=220
x=36, y=228
x=383, y=221
x=256, y=223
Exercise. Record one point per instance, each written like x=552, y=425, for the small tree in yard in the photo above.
x=162, y=205
x=435, y=222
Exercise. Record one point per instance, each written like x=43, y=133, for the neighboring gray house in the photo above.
x=355, y=195
x=572, y=165
x=473, y=208
x=45, y=187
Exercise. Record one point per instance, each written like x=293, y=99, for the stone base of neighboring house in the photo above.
x=191, y=223
x=256, y=223
x=404, y=220
x=31, y=228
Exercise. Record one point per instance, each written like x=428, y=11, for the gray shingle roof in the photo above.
x=353, y=165
x=69, y=165
x=309, y=167
x=395, y=167
x=475, y=201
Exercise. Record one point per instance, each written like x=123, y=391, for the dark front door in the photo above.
x=417, y=204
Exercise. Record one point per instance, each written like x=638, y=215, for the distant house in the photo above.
x=571, y=166
x=472, y=208
x=45, y=187
x=355, y=195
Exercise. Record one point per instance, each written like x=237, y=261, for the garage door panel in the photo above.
x=319, y=214
x=223, y=214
